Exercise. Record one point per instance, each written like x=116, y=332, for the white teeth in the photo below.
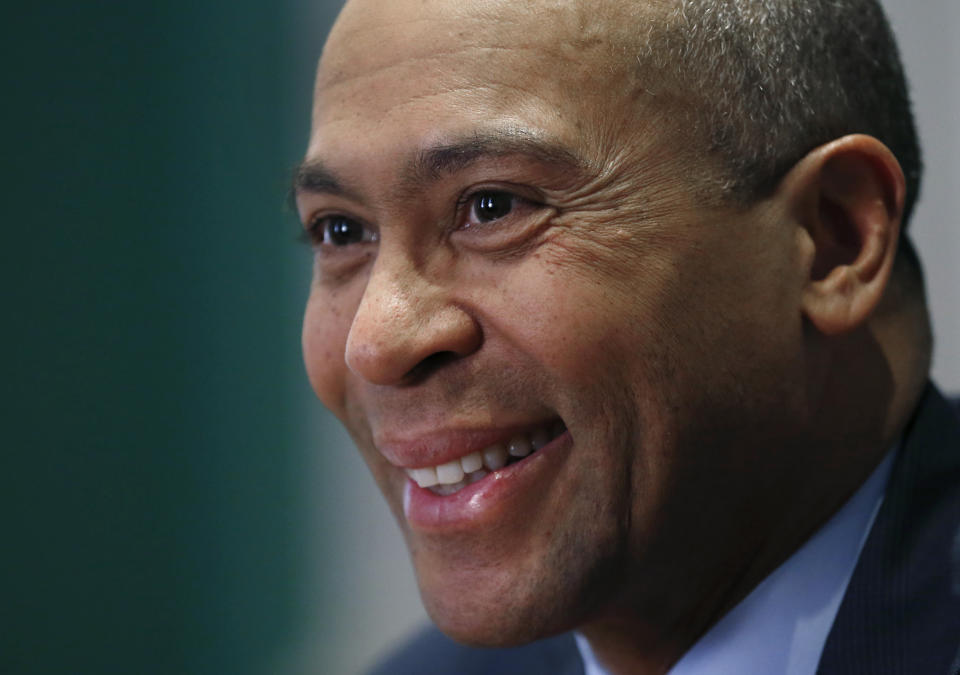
x=495, y=457
x=456, y=474
x=519, y=446
x=539, y=438
x=472, y=462
x=451, y=472
x=426, y=477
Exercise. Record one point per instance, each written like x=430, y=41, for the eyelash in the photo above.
x=468, y=203
x=317, y=232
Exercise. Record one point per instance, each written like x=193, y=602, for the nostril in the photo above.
x=431, y=364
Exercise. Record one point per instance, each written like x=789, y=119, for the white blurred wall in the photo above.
x=365, y=598
x=932, y=55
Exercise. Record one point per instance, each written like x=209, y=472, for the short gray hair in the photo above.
x=773, y=79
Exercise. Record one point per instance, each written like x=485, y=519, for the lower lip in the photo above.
x=480, y=503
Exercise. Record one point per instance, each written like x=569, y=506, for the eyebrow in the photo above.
x=313, y=176
x=437, y=162
x=444, y=159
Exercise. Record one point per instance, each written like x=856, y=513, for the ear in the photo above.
x=849, y=197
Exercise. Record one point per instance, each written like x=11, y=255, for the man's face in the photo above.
x=514, y=248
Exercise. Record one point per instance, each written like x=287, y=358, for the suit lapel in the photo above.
x=901, y=612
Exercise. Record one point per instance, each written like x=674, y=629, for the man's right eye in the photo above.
x=340, y=231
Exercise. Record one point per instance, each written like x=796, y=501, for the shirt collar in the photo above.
x=781, y=626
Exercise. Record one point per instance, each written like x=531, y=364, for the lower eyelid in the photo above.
x=511, y=235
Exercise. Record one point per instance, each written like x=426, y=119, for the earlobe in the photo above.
x=852, y=192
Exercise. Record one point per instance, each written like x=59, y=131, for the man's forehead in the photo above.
x=370, y=32
x=401, y=14
x=402, y=75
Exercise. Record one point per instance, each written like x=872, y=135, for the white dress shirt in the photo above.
x=780, y=628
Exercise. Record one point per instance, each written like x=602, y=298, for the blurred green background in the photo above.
x=173, y=499
x=151, y=473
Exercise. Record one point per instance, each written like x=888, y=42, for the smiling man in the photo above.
x=608, y=295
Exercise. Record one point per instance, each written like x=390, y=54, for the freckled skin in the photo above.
x=663, y=330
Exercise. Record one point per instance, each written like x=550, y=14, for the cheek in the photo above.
x=579, y=315
x=324, y=337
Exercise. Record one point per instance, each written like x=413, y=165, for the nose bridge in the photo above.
x=403, y=319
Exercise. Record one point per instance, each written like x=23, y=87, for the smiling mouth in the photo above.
x=450, y=477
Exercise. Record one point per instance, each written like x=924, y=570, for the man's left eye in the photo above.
x=489, y=206
x=493, y=219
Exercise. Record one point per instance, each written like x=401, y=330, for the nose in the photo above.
x=405, y=327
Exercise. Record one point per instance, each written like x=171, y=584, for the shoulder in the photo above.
x=430, y=651
x=901, y=611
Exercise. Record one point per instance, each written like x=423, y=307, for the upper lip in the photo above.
x=444, y=445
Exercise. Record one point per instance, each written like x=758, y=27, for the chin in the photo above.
x=502, y=625
x=507, y=607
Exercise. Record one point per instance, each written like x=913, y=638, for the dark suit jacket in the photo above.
x=901, y=612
